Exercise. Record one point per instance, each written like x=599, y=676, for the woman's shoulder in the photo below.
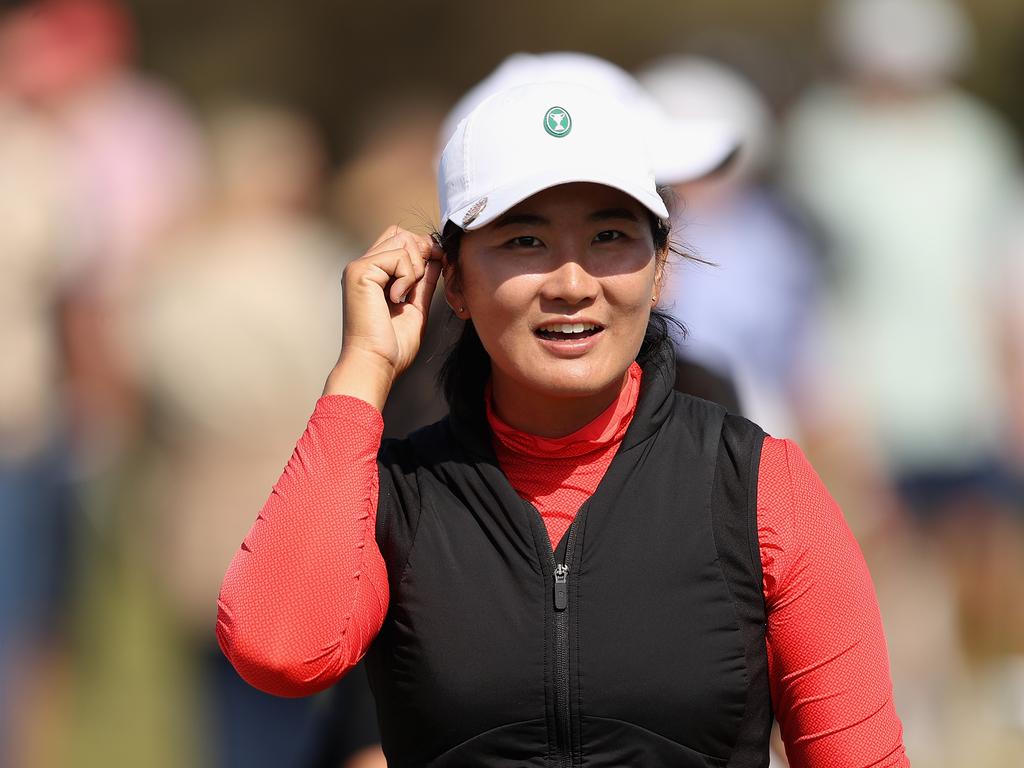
x=788, y=479
x=698, y=410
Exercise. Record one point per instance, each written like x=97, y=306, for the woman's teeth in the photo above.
x=571, y=328
x=562, y=330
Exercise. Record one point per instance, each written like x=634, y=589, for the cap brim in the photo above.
x=501, y=200
x=686, y=150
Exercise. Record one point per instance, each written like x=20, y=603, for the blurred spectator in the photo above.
x=747, y=312
x=130, y=161
x=237, y=327
x=1013, y=301
x=105, y=162
x=910, y=179
x=390, y=176
x=36, y=498
x=348, y=734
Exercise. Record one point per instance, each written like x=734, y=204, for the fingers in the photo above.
x=404, y=256
x=390, y=232
x=394, y=236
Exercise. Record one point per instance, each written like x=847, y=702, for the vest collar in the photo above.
x=468, y=422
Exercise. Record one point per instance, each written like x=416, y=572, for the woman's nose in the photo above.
x=570, y=281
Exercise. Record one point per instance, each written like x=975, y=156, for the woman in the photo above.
x=578, y=566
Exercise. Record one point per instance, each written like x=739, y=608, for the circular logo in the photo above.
x=557, y=122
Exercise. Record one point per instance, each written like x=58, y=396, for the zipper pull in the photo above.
x=561, y=588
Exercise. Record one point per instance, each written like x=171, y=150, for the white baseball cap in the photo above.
x=682, y=149
x=529, y=138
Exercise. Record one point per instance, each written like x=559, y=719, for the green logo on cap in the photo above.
x=557, y=122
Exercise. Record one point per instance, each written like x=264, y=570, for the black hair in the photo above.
x=467, y=367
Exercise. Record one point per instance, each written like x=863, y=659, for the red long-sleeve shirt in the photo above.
x=307, y=592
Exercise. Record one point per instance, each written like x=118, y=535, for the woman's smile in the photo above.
x=569, y=337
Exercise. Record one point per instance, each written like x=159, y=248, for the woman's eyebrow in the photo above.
x=613, y=213
x=520, y=218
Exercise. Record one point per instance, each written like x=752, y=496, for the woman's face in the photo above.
x=560, y=289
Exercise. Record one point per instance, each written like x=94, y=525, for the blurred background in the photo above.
x=182, y=183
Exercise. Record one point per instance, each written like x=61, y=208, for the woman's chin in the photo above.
x=573, y=378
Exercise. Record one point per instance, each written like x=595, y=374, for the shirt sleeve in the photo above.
x=827, y=659
x=307, y=591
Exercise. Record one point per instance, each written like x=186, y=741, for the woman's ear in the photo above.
x=452, y=292
x=660, y=261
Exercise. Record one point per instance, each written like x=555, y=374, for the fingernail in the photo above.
x=401, y=299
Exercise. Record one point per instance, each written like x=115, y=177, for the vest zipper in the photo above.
x=561, y=600
x=561, y=587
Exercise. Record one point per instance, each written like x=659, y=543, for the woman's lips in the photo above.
x=553, y=334
x=569, y=345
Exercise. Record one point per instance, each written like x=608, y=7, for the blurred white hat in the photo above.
x=702, y=90
x=916, y=42
x=532, y=137
x=681, y=149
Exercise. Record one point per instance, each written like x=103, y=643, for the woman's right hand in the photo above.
x=386, y=296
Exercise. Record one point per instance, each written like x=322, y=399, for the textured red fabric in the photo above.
x=307, y=592
x=827, y=660
x=558, y=475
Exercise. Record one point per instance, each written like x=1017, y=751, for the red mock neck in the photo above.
x=607, y=429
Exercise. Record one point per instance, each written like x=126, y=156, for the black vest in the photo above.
x=639, y=643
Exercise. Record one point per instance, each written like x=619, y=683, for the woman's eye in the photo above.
x=525, y=241
x=608, y=235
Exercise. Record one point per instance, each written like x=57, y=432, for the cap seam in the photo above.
x=467, y=156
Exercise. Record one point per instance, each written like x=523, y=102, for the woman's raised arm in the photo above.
x=307, y=591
